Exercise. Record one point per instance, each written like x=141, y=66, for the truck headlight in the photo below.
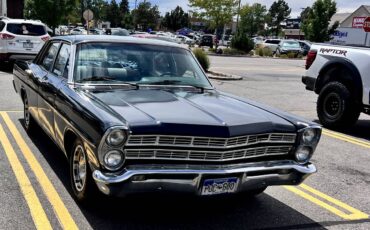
x=307, y=141
x=114, y=159
x=116, y=137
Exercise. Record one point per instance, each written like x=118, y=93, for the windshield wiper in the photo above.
x=173, y=83
x=106, y=78
x=96, y=78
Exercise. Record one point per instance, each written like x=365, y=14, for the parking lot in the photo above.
x=36, y=193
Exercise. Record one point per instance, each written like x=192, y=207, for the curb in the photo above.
x=223, y=76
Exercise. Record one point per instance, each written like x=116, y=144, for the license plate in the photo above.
x=27, y=45
x=219, y=186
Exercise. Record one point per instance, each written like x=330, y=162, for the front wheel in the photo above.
x=29, y=122
x=82, y=182
x=336, y=106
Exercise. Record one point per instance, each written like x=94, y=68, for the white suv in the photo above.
x=21, y=39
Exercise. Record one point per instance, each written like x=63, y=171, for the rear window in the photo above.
x=26, y=29
x=273, y=41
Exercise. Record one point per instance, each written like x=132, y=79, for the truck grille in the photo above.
x=193, y=155
x=209, y=142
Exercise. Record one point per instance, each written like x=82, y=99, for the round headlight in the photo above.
x=309, y=136
x=116, y=138
x=303, y=154
x=113, y=159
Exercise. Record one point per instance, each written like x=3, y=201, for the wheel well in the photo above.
x=23, y=93
x=344, y=74
x=69, y=139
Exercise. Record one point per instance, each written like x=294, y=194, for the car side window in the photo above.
x=2, y=25
x=62, y=62
x=47, y=60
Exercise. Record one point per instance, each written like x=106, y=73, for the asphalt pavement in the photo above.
x=35, y=191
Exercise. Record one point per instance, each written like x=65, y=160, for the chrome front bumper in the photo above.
x=189, y=178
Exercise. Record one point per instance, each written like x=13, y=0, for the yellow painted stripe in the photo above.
x=354, y=213
x=346, y=138
x=37, y=212
x=62, y=213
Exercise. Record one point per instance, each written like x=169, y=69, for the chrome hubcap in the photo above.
x=79, y=168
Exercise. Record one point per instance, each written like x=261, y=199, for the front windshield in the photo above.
x=137, y=63
x=291, y=45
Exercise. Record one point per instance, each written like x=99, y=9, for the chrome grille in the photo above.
x=168, y=154
x=209, y=142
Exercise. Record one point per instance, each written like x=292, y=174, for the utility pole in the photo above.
x=237, y=16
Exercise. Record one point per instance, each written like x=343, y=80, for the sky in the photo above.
x=344, y=6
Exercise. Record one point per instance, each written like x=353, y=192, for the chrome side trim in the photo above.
x=164, y=170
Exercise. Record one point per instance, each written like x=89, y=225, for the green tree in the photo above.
x=125, y=16
x=146, y=16
x=317, y=24
x=217, y=12
x=113, y=14
x=278, y=13
x=253, y=19
x=51, y=12
x=176, y=19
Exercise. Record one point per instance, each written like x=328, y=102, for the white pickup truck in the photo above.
x=340, y=75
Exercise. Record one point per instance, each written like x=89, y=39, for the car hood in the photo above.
x=167, y=112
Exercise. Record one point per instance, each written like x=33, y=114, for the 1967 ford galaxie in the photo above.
x=134, y=115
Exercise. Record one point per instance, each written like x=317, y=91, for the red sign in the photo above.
x=358, y=22
x=367, y=24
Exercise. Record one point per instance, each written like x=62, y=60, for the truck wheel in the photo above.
x=29, y=122
x=336, y=107
x=82, y=182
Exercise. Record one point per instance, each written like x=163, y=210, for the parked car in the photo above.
x=305, y=46
x=340, y=76
x=21, y=39
x=119, y=32
x=226, y=40
x=184, y=40
x=78, y=31
x=207, y=40
x=272, y=44
x=289, y=46
x=138, y=115
x=257, y=41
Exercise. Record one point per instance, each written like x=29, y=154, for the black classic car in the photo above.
x=138, y=115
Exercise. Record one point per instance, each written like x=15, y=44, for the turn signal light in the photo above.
x=4, y=36
x=45, y=38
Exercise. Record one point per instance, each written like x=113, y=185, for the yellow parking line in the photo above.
x=62, y=213
x=37, y=212
x=355, y=214
x=346, y=138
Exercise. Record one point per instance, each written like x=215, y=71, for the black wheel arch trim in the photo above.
x=345, y=63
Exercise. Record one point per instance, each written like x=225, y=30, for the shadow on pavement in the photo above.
x=6, y=67
x=176, y=212
x=359, y=130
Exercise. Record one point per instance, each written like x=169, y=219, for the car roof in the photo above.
x=12, y=20
x=75, y=39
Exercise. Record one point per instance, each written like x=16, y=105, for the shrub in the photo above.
x=259, y=52
x=213, y=50
x=241, y=42
x=252, y=53
x=202, y=58
x=267, y=52
x=291, y=55
x=300, y=56
x=283, y=56
x=231, y=51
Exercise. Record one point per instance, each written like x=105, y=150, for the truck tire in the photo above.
x=336, y=106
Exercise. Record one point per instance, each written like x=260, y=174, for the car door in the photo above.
x=48, y=87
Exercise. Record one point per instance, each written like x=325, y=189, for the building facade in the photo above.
x=12, y=8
